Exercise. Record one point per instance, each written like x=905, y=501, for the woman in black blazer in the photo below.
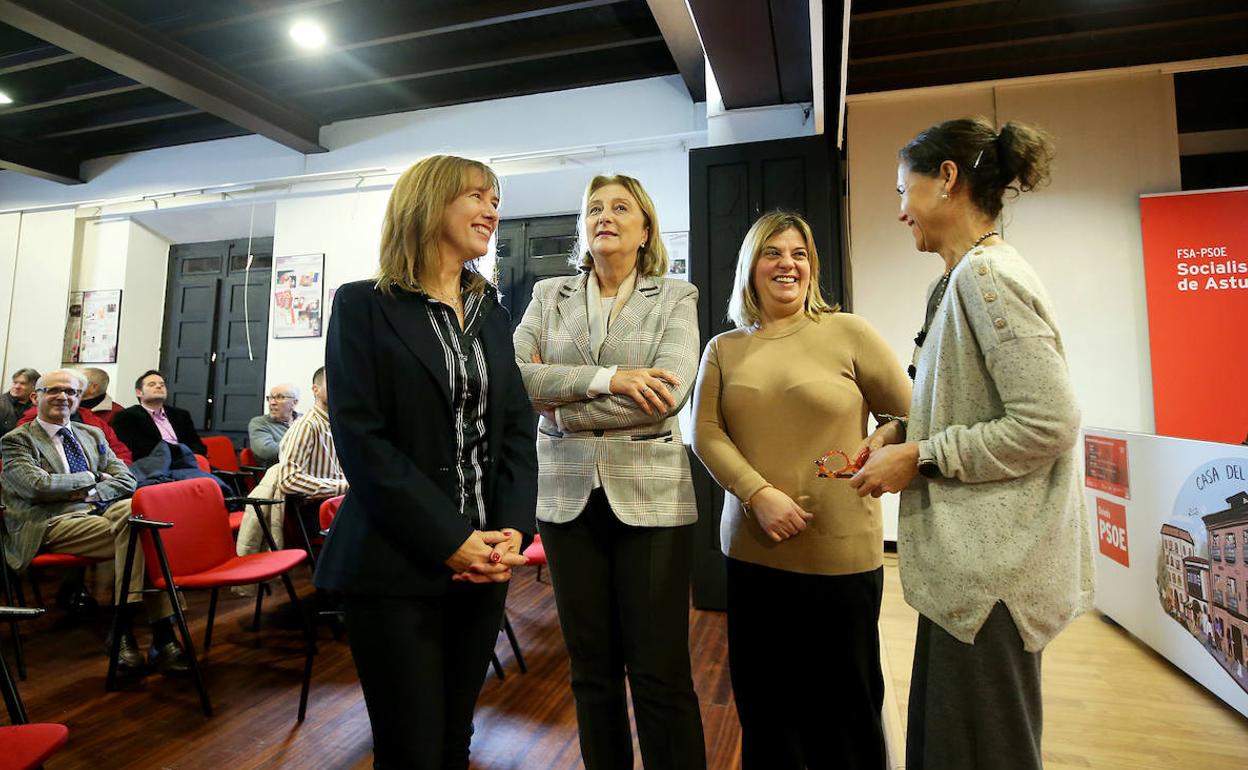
x=436, y=436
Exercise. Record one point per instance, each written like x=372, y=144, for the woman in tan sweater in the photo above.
x=805, y=554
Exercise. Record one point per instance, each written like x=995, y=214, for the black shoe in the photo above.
x=128, y=656
x=169, y=658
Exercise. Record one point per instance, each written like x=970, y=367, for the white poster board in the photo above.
x=298, y=286
x=1160, y=504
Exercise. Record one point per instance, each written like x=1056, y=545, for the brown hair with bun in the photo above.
x=1014, y=161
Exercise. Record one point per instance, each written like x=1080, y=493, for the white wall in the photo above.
x=36, y=321
x=1116, y=139
x=10, y=227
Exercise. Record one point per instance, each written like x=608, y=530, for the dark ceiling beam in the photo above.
x=46, y=56
x=38, y=161
x=1065, y=13
x=738, y=41
x=1103, y=33
x=916, y=8
x=97, y=89
x=105, y=121
x=681, y=35
x=791, y=33
x=522, y=52
x=96, y=32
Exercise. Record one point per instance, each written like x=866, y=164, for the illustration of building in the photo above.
x=1196, y=590
x=1228, y=549
x=1176, y=545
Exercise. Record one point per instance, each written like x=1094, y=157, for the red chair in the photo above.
x=24, y=745
x=221, y=452
x=536, y=554
x=329, y=509
x=248, y=463
x=189, y=547
x=203, y=463
x=41, y=561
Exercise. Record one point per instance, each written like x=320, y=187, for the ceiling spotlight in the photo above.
x=308, y=34
x=5, y=98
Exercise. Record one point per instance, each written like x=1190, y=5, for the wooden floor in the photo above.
x=1111, y=703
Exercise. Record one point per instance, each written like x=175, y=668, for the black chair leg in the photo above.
x=212, y=614
x=33, y=577
x=497, y=664
x=255, y=621
x=296, y=507
x=187, y=642
x=310, y=637
x=119, y=602
x=13, y=702
x=515, y=646
x=18, y=655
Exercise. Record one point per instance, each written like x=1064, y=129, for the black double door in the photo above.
x=729, y=188
x=216, y=331
x=529, y=250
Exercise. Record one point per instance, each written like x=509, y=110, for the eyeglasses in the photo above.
x=271, y=399
x=71, y=392
x=847, y=468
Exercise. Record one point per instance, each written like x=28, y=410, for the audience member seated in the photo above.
x=151, y=421
x=66, y=492
x=96, y=398
x=15, y=403
x=265, y=431
x=87, y=417
x=307, y=466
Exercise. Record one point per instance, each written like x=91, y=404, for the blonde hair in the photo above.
x=743, y=306
x=413, y=222
x=652, y=256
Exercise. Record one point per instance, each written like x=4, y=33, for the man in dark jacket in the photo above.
x=144, y=425
x=18, y=399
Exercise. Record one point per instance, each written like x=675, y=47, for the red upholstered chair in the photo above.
x=221, y=452
x=329, y=509
x=248, y=463
x=536, y=554
x=24, y=745
x=185, y=531
x=203, y=463
x=41, y=561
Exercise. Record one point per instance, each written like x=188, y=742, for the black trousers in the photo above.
x=974, y=705
x=422, y=661
x=623, y=599
x=804, y=655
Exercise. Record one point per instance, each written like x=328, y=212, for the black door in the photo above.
x=529, y=250
x=729, y=188
x=204, y=354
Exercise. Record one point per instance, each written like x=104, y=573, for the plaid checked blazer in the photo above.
x=641, y=459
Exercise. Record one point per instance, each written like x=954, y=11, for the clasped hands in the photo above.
x=487, y=556
x=890, y=465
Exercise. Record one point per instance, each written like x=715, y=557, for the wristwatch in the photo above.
x=928, y=467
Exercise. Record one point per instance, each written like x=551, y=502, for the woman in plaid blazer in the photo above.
x=608, y=357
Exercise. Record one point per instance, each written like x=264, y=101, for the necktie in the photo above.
x=73, y=453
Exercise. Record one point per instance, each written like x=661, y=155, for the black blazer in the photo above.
x=136, y=430
x=390, y=410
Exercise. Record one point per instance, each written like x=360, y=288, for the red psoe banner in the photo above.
x=1196, y=274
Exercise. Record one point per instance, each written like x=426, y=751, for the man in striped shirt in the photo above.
x=308, y=461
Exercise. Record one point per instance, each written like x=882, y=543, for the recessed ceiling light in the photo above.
x=308, y=34
x=5, y=98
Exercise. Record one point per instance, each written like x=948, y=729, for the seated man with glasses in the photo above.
x=66, y=492
x=265, y=431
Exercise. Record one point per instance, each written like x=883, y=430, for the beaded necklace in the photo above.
x=938, y=294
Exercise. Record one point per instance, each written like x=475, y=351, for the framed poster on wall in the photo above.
x=73, y=329
x=298, y=287
x=91, y=327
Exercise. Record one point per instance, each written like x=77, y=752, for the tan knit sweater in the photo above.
x=767, y=405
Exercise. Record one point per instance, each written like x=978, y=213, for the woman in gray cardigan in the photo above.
x=993, y=538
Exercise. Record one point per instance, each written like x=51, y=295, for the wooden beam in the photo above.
x=96, y=32
x=35, y=160
x=737, y=36
x=681, y=35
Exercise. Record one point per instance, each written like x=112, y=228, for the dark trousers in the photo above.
x=623, y=599
x=974, y=706
x=421, y=661
x=804, y=655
